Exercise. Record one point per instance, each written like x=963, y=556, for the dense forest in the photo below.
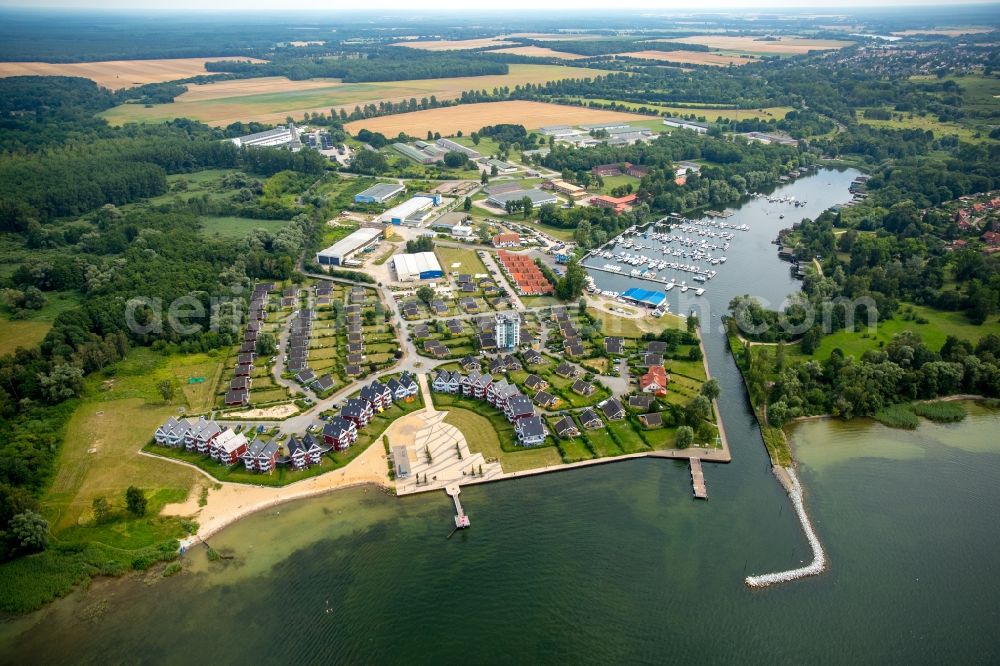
x=391, y=64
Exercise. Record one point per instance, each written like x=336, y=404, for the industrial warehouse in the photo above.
x=379, y=193
x=419, y=266
x=343, y=251
x=279, y=137
x=413, y=211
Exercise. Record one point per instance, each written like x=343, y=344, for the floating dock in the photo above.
x=657, y=280
x=697, y=479
x=461, y=520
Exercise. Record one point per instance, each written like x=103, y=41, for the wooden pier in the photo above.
x=697, y=479
x=461, y=520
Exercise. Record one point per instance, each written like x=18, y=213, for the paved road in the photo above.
x=501, y=278
x=278, y=369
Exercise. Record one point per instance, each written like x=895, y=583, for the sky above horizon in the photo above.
x=430, y=6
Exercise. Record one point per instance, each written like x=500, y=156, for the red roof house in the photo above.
x=654, y=381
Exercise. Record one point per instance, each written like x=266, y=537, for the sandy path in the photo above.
x=235, y=500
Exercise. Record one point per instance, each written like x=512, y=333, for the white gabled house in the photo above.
x=446, y=382
x=172, y=432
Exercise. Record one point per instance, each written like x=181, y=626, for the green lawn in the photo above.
x=539, y=301
x=611, y=182
x=628, y=439
x=925, y=122
x=555, y=232
x=486, y=147
x=467, y=259
x=29, y=332
x=613, y=325
x=693, y=369
x=940, y=324
x=26, y=334
x=573, y=449
x=238, y=227
x=481, y=434
x=99, y=458
x=602, y=442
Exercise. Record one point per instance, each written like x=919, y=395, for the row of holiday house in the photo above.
x=506, y=397
x=341, y=431
x=518, y=408
x=229, y=447
x=239, y=386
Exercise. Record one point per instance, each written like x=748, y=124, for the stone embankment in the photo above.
x=818, y=564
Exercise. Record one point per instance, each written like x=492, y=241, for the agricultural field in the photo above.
x=539, y=52
x=755, y=45
x=454, y=44
x=690, y=57
x=469, y=118
x=272, y=99
x=117, y=74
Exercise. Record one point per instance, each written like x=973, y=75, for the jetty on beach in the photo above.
x=461, y=520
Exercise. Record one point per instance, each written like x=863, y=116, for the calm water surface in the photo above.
x=605, y=565
x=609, y=565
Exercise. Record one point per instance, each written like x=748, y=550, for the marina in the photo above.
x=713, y=257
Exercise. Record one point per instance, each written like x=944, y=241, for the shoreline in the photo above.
x=233, y=501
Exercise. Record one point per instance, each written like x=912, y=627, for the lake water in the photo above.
x=604, y=565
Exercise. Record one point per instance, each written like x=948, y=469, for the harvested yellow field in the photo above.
x=539, y=52
x=779, y=46
x=689, y=57
x=272, y=99
x=471, y=117
x=454, y=44
x=947, y=32
x=116, y=74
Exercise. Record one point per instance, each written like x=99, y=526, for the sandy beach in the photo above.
x=233, y=501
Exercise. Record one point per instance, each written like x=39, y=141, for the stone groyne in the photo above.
x=818, y=564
